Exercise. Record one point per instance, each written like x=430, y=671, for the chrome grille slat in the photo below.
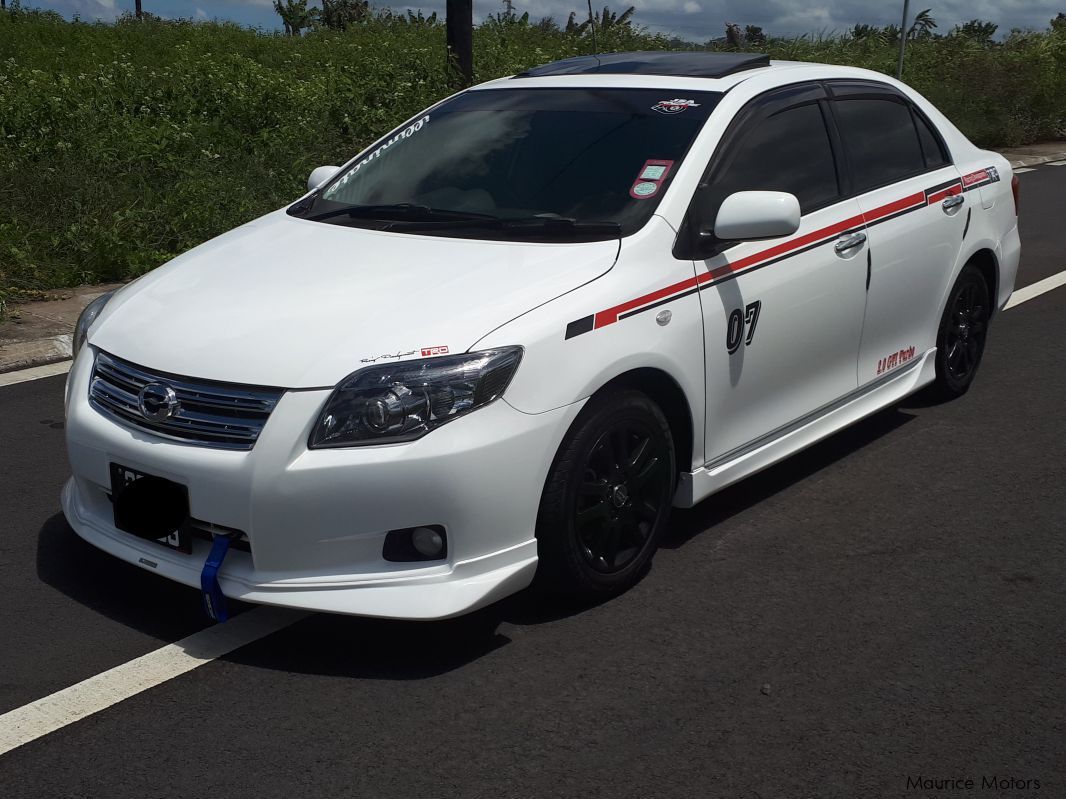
x=210, y=414
x=238, y=397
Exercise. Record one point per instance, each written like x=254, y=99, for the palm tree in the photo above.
x=610, y=19
x=923, y=25
x=295, y=15
x=574, y=27
x=339, y=14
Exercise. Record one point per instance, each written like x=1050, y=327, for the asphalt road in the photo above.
x=887, y=605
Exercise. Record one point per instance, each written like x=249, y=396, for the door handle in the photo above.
x=850, y=243
x=954, y=201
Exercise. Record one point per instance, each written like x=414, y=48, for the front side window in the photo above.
x=881, y=141
x=789, y=151
x=533, y=163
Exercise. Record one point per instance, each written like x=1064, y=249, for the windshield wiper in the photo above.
x=535, y=226
x=561, y=224
x=401, y=212
x=411, y=217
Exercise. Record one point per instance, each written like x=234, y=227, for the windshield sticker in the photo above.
x=428, y=351
x=407, y=132
x=650, y=179
x=653, y=172
x=675, y=106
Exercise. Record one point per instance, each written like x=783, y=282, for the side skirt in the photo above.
x=778, y=445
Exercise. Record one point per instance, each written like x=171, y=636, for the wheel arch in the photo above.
x=665, y=391
x=986, y=262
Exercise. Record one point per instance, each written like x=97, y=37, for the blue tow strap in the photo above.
x=214, y=600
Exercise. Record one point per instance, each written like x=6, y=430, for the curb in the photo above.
x=1036, y=160
x=27, y=354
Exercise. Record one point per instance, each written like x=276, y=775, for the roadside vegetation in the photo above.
x=123, y=145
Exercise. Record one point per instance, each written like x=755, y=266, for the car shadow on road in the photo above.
x=687, y=524
x=124, y=593
x=379, y=649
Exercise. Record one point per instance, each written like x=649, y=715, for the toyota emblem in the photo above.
x=158, y=402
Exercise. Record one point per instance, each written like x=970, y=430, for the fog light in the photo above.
x=416, y=543
x=427, y=541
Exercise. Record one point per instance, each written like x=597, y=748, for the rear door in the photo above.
x=915, y=212
x=782, y=317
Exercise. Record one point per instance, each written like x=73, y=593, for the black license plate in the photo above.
x=151, y=507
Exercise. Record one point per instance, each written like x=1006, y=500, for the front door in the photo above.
x=783, y=317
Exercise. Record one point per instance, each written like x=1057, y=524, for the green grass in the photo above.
x=124, y=145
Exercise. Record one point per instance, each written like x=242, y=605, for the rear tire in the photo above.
x=607, y=498
x=960, y=341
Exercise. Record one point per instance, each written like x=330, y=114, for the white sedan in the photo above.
x=502, y=342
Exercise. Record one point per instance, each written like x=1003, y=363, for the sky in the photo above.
x=695, y=20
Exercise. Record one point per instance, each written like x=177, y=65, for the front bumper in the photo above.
x=316, y=520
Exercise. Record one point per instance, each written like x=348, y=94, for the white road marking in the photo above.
x=31, y=721
x=1021, y=169
x=1054, y=163
x=34, y=373
x=1036, y=289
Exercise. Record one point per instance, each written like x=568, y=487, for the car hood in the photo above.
x=299, y=304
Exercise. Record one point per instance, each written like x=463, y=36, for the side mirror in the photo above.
x=320, y=176
x=748, y=215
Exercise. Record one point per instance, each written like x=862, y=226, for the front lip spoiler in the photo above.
x=436, y=593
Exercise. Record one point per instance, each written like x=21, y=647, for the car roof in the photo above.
x=697, y=64
x=648, y=75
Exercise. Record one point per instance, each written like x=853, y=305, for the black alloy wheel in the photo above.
x=607, y=498
x=963, y=330
x=621, y=495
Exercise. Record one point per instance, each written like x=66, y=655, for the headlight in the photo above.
x=403, y=401
x=85, y=321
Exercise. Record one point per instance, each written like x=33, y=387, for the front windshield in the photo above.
x=510, y=163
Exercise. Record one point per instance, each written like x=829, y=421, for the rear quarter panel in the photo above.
x=993, y=225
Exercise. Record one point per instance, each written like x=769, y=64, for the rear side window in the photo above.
x=790, y=151
x=881, y=140
x=935, y=157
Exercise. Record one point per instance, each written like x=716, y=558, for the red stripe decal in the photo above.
x=610, y=315
x=899, y=205
x=941, y=195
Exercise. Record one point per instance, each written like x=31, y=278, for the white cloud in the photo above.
x=692, y=8
x=105, y=10
x=201, y=14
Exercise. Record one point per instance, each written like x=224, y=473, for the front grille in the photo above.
x=209, y=414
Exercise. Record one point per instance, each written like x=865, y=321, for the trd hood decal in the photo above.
x=287, y=302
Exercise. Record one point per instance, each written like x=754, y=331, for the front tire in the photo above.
x=960, y=341
x=607, y=498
